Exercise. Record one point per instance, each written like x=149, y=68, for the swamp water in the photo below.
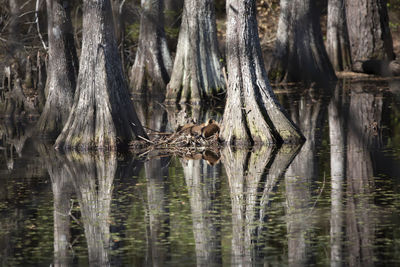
x=334, y=201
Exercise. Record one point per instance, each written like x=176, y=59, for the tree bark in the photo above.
x=102, y=115
x=300, y=55
x=369, y=33
x=337, y=38
x=252, y=112
x=197, y=74
x=63, y=69
x=151, y=71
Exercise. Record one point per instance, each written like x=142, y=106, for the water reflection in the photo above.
x=336, y=112
x=92, y=177
x=308, y=113
x=335, y=203
x=156, y=170
x=363, y=138
x=253, y=176
x=203, y=182
x=61, y=185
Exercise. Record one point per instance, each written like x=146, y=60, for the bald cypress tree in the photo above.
x=197, y=73
x=102, y=115
x=252, y=112
x=63, y=69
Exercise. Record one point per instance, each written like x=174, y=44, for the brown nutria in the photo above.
x=185, y=128
x=196, y=129
x=210, y=129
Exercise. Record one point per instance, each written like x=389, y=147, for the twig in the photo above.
x=145, y=139
x=225, y=77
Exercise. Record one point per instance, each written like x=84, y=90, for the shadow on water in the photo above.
x=333, y=201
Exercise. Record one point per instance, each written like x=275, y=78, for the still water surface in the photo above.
x=334, y=201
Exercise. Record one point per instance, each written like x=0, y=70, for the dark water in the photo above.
x=335, y=201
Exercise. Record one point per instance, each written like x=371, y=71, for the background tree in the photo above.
x=370, y=38
x=150, y=72
x=299, y=45
x=102, y=115
x=337, y=38
x=62, y=71
x=197, y=73
x=252, y=113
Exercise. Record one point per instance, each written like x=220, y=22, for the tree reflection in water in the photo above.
x=308, y=114
x=363, y=138
x=203, y=182
x=61, y=185
x=92, y=177
x=156, y=170
x=253, y=177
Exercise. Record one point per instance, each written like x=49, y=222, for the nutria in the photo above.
x=196, y=129
x=185, y=128
x=210, y=129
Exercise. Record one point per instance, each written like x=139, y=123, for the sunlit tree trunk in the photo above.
x=337, y=38
x=197, y=73
x=370, y=39
x=299, y=45
x=63, y=69
x=102, y=115
x=369, y=33
x=365, y=113
x=151, y=71
x=252, y=112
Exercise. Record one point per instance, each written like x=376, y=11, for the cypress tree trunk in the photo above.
x=338, y=44
x=149, y=74
x=369, y=33
x=102, y=115
x=252, y=113
x=300, y=55
x=370, y=39
x=63, y=69
x=197, y=73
